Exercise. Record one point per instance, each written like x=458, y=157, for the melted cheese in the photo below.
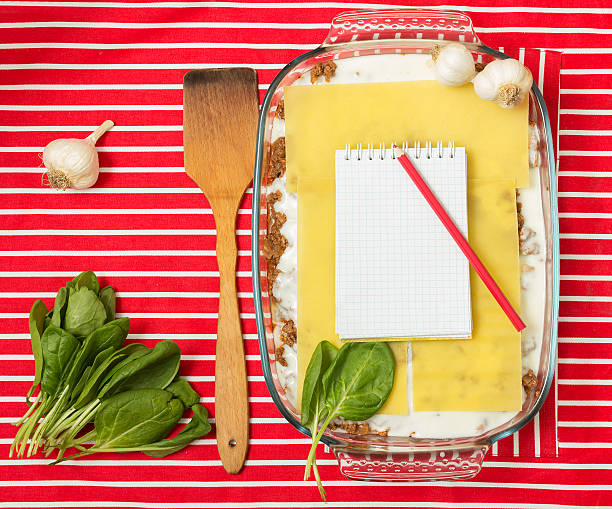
x=316, y=287
x=482, y=373
x=322, y=119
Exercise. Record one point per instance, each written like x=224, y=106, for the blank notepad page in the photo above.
x=399, y=274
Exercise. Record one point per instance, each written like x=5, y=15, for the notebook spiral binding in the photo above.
x=370, y=152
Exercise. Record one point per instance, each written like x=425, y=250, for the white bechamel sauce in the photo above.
x=377, y=68
x=285, y=284
x=533, y=261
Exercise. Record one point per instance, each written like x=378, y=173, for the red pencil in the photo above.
x=469, y=253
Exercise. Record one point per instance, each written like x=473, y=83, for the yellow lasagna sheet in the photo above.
x=322, y=119
x=316, y=288
x=482, y=373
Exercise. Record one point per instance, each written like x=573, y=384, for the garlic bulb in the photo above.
x=506, y=82
x=74, y=163
x=454, y=64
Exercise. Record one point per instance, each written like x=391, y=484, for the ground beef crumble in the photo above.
x=520, y=217
x=278, y=162
x=357, y=428
x=280, y=110
x=326, y=69
x=529, y=381
x=275, y=243
x=272, y=198
x=288, y=335
x=279, y=355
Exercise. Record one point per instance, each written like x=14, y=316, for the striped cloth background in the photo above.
x=66, y=66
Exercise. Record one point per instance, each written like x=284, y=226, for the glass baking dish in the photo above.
x=373, y=457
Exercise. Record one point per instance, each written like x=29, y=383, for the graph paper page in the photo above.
x=398, y=271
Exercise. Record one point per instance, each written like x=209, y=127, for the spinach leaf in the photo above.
x=197, y=427
x=355, y=385
x=101, y=358
x=312, y=394
x=58, y=349
x=156, y=369
x=48, y=317
x=182, y=390
x=313, y=400
x=36, y=321
x=70, y=378
x=134, y=353
x=130, y=421
x=109, y=300
x=86, y=279
x=84, y=313
x=359, y=380
x=111, y=334
x=59, y=307
x=135, y=418
x=90, y=390
x=83, y=358
x=121, y=374
x=81, y=383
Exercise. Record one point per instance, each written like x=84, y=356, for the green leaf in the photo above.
x=197, y=427
x=59, y=307
x=109, y=336
x=81, y=383
x=36, y=322
x=156, y=369
x=48, y=317
x=90, y=390
x=109, y=300
x=359, y=380
x=87, y=280
x=183, y=390
x=84, y=313
x=102, y=357
x=355, y=385
x=82, y=359
x=112, y=334
x=312, y=393
x=313, y=399
x=136, y=351
x=135, y=418
x=58, y=350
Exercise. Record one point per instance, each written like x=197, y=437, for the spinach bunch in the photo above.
x=138, y=420
x=81, y=365
x=353, y=383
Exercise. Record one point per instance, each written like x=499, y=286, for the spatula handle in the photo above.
x=231, y=403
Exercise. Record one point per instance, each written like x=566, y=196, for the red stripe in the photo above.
x=187, y=59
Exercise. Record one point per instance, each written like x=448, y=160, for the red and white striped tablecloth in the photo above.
x=66, y=66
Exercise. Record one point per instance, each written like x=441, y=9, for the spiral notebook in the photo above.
x=398, y=273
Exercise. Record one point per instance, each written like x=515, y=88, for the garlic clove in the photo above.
x=454, y=64
x=73, y=163
x=507, y=82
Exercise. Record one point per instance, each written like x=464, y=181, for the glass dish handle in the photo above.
x=461, y=462
x=400, y=24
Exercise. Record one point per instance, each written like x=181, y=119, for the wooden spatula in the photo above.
x=220, y=108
